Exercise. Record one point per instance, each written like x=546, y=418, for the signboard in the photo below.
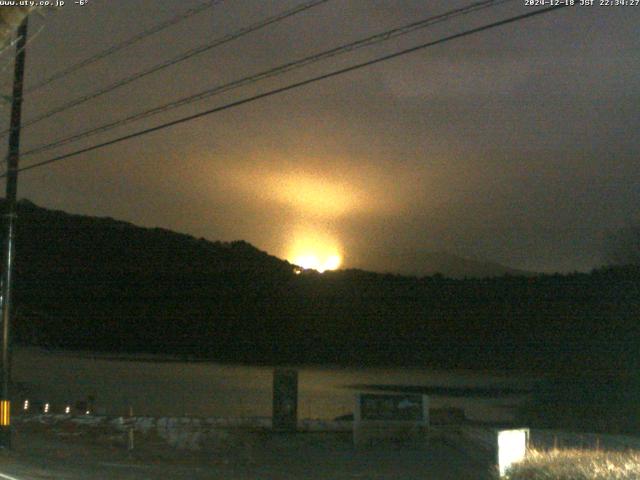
x=392, y=407
x=386, y=416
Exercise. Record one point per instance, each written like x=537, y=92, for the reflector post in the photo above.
x=5, y=413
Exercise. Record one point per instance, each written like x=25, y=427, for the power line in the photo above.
x=180, y=58
x=124, y=44
x=279, y=70
x=290, y=87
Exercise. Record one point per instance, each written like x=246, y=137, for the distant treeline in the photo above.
x=100, y=284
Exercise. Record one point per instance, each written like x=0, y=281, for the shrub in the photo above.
x=577, y=465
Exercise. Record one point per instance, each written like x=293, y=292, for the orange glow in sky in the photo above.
x=314, y=262
x=321, y=193
x=315, y=195
x=308, y=201
x=314, y=251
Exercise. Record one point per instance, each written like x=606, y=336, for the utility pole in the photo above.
x=11, y=203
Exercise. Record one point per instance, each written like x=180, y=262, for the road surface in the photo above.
x=39, y=455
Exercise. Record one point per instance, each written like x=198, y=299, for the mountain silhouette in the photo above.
x=105, y=285
x=420, y=263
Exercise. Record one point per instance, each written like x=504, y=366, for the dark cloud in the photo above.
x=518, y=145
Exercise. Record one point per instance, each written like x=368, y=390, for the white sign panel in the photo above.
x=512, y=448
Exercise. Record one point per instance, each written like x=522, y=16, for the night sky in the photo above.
x=518, y=145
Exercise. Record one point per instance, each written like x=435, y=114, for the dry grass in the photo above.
x=577, y=465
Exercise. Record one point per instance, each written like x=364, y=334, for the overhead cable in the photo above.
x=289, y=87
x=124, y=44
x=180, y=58
x=276, y=71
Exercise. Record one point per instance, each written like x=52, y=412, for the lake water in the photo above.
x=159, y=387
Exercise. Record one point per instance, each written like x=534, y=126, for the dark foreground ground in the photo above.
x=40, y=454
